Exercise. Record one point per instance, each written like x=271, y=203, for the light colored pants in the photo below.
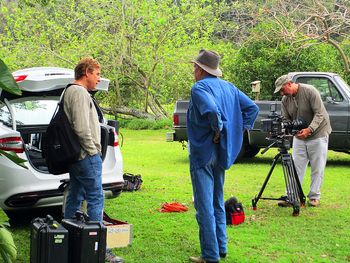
x=312, y=151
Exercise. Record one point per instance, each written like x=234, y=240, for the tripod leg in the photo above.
x=300, y=189
x=291, y=183
x=256, y=199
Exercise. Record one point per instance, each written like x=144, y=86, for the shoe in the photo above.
x=112, y=258
x=284, y=204
x=201, y=260
x=314, y=202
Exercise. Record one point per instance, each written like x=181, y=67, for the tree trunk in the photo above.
x=128, y=111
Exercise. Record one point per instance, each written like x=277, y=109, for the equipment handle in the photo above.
x=82, y=216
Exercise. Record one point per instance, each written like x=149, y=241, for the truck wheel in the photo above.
x=251, y=151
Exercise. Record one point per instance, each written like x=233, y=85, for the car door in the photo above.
x=337, y=107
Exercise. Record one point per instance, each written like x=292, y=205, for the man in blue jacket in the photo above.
x=217, y=116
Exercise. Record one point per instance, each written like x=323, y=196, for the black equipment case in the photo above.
x=48, y=241
x=87, y=239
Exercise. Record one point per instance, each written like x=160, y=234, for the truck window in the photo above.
x=324, y=86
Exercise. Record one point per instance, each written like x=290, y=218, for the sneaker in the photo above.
x=314, y=202
x=112, y=258
x=201, y=260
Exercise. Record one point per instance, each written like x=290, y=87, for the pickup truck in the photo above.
x=334, y=92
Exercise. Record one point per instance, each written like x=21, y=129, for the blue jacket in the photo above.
x=218, y=105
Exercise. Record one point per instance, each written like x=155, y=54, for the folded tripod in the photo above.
x=295, y=195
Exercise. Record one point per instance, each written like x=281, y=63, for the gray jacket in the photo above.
x=82, y=115
x=307, y=104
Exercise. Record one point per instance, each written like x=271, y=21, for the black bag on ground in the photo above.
x=234, y=211
x=48, y=241
x=61, y=147
x=87, y=239
x=132, y=182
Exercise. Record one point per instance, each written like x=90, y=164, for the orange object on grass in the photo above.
x=173, y=207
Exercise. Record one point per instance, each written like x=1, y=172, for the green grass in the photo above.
x=269, y=234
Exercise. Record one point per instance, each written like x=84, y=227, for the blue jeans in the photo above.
x=86, y=184
x=208, y=184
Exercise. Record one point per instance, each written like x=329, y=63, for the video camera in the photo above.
x=277, y=127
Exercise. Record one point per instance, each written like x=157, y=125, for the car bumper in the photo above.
x=52, y=197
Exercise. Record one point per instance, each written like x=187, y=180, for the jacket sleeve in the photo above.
x=249, y=110
x=285, y=115
x=316, y=105
x=79, y=103
x=206, y=106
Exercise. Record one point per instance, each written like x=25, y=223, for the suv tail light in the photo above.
x=20, y=78
x=116, y=142
x=14, y=144
x=176, y=119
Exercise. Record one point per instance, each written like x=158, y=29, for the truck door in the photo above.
x=336, y=105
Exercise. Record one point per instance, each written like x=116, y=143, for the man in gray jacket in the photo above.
x=85, y=175
x=310, y=145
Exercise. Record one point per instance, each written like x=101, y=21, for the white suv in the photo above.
x=23, y=122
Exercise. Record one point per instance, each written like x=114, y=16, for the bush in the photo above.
x=145, y=124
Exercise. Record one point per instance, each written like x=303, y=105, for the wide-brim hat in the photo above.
x=209, y=61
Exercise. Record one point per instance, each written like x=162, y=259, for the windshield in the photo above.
x=31, y=112
x=343, y=84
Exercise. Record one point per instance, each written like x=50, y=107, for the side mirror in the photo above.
x=331, y=100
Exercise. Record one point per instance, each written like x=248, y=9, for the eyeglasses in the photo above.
x=283, y=87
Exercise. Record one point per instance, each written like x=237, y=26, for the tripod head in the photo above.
x=282, y=142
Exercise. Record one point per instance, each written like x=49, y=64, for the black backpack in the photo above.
x=62, y=147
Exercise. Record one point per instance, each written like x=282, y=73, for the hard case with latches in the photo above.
x=48, y=241
x=87, y=239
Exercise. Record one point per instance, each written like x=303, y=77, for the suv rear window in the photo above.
x=35, y=111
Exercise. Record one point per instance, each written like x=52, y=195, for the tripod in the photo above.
x=295, y=196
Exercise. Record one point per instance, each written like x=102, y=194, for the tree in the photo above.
x=307, y=23
x=143, y=46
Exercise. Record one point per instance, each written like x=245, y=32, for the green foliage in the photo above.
x=6, y=80
x=141, y=45
x=266, y=60
x=144, y=46
x=8, y=250
x=145, y=124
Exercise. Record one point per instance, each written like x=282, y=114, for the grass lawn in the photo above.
x=270, y=234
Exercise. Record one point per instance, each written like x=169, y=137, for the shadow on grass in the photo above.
x=19, y=219
x=268, y=160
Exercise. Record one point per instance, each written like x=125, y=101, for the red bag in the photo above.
x=234, y=212
x=237, y=218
